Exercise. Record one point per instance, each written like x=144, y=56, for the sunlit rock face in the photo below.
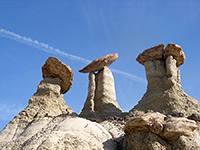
x=164, y=92
x=162, y=118
x=48, y=123
x=156, y=131
x=47, y=101
x=101, y=100
x=60, y=132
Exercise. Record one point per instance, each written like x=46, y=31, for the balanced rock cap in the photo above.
x=176, y=51
x=100, y=63
x=152, y=53
x=53, y=67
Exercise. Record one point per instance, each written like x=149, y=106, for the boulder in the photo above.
x=148, y=122
x=54, y=68
x=152, y=53
x=144, y=140
x=101, y=100
x=175, y=51
x=156, y=131
x=100, y=63
x=176, y=127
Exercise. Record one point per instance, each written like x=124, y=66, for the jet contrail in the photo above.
x=49, y=49
x=39, y=45
x=126, y=74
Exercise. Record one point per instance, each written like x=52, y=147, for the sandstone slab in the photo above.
x=100, y=63
x=54, y=68
x=175, y=51
x=148, y=122
x=176, y=127
x=152, y=53
x=169, y=128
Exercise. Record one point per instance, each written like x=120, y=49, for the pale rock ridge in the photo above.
x=164, y=92
x=47, y=101
x=101, y=100
x=62, y=132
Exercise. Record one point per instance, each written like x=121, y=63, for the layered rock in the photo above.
x=53, y=68
x=164, y=92
x=159, y=132
x=100, y=63
x=101, y=100
x=167, y=127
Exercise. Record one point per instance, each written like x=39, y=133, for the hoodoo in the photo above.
x=162, y=118
x=101, y=100
x=164, y=91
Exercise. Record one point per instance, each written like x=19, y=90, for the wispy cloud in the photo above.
x=7, y=111
x=39, y=45
x=49, y=49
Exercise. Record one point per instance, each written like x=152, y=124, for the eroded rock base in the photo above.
x=101, y=100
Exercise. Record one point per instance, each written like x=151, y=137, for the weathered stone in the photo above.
x=100, y=63
x=148, y=122
x=88, y=109
x=59, y=133
x=195, y=117
x=101, y=101
x=115, y=128
x=186, y=142
x=144, y=140
x=47, y=100
x=152, y=53
x=176, y=127
x=175, y=51
x=54, y=68
x=177, y=115
x=168, y=132
x=165, y=95
x=164, y=92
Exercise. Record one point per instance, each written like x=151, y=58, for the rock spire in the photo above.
x=47, y=101
x=164, y=92
x=101, y=100
x=166, y=117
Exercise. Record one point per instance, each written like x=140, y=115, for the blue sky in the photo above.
x=90, y=29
